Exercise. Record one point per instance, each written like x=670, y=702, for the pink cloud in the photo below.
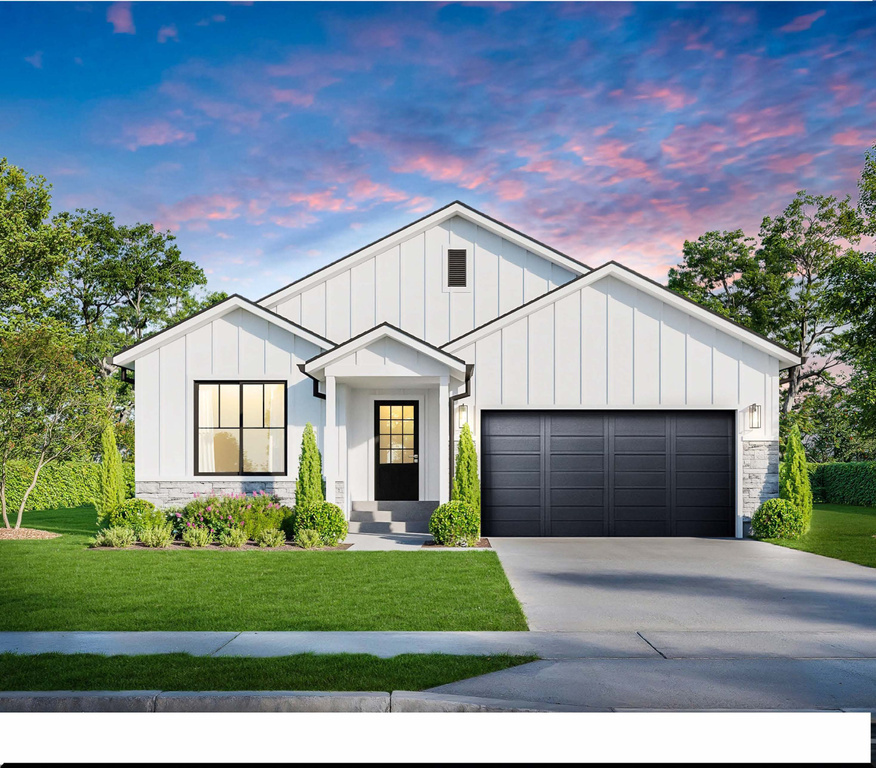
x=853, y=138
x=157, y=133
x=291, y=96
x=320, y=201
x=215, y=19
x=762, y=124
x=295, y=220
x=789, y=164
x=168, y=32
x=672, y=97
x=365, y=189
x=197, y=210
x=511, y=189
x=802, y=23
x=119, y=15
x=36, y=60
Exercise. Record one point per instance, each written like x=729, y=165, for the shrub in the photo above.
x=158, y=537
x=111, y=483
x=455, y=522
x=270, y=537
x=116, y=536
x=252, y=513
x=323, y=517
x=794, y=477
x=62, y=484
x=308, y=488
x=233, y=537
x=137, y=514
x=852, y=482
x=816, y=482
x=198, y=536
x=308, y=538
x=466, y=486
x=778, y=519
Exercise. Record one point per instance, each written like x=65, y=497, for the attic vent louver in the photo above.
x=456, y=263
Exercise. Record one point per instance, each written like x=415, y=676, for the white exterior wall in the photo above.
x=404, y=285
x=237, y=346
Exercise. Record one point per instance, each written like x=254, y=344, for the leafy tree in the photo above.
x=308, y=488
x=794, y=477
x=50, y=405
x=32, y=249
x=466, y=486
x=112, y=482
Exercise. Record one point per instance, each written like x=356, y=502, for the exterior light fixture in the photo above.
x=461, y=416
x=754, y=411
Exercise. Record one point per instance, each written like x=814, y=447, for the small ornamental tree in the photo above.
x=112, y=484
x=466, y=486
x=794, y=477
x=51, y=407
x=308, y=488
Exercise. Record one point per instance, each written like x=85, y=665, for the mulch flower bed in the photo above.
x=479, y=544
x=220, y=548
x=26, y=533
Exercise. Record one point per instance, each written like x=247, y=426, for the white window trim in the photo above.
x=468, y=269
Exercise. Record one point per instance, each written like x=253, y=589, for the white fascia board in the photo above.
x=129, y=355
x=641, y=283
x=412, y=230
x=317, y=364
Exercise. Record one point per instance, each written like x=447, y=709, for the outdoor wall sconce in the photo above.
x=461, y=416
x=754, y=416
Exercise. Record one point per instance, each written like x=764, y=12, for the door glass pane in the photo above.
x=408, y=457
x=396, y=457
x=396, y=411
x=275, y=397
x=397, y=427
x=218, y=450
x=408, y=441
x=263, y=450
x=384, y=441
x=229, y=405
x=409, y=412
x=252, y=407
x=384, y=411
x=384, y=457
x=408, y=427
x=208, y=405
x=385, y=427
x=396, y=441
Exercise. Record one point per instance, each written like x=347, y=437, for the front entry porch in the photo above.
x=387, y=428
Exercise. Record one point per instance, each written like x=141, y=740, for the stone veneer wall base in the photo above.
x=177, y=493
x=760, y=475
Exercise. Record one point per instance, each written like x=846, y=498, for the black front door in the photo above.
x=397, y=439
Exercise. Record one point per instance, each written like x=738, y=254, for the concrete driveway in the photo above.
x=684, y=585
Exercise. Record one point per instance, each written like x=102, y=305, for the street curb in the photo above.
x=423, y=701
x=78, y=701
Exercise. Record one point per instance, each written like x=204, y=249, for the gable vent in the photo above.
x=456, y=263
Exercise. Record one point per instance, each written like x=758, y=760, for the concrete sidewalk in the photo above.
x=657, y=645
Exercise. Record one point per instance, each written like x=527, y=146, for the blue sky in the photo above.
x=272, y=138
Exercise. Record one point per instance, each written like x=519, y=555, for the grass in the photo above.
x=59, y=584
x=182, y=672
x=840, y=531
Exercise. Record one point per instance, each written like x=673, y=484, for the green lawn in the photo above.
x=181, y=672
x=840, y=531
x=59, y=584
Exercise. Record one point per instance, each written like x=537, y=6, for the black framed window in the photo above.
x=240, y=427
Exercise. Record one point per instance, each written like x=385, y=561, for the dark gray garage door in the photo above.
x=607, y=473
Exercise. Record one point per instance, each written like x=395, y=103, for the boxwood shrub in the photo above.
x=852, y=482
x=323, y=517
x=778, y=519
x=455, y=522
x=61, y=484
x=137, y=514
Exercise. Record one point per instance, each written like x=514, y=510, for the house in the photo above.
x=601, y=402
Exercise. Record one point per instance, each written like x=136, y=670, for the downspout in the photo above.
x=469, y=370
x=316, y=392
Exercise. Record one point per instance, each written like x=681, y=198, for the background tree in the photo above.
x=50, y=405
x=308, y=488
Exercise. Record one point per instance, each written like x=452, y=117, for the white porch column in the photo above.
x=444, y=440
x=331, y=438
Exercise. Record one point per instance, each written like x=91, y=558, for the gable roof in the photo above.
x=456, y=208
x=207, y=315
x=384, y=330
x=642, y=283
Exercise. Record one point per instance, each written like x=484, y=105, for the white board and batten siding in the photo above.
x=236, y=346
x=404, y=285
x=611, y=345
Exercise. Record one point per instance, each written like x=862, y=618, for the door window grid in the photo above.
x=396, y=434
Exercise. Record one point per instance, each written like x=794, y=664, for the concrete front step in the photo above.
x=408, y=526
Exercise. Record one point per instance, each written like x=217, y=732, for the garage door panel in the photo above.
x=608, y=473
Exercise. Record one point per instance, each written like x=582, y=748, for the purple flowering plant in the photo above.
x=252, y=512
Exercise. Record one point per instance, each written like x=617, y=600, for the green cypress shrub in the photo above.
x=111, y=492
x=309, y=487
x=466, y=486
x=794, y=477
